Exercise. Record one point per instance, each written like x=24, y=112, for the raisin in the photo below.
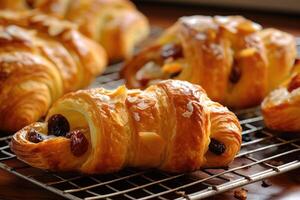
x=294, y=84
x=235, y=74
x=34, y=136
x=144, y=82
x=79, y=143
x=216, y=147
x=171, y=51
x=173, y=75
x=58, y=125
x=30, y=4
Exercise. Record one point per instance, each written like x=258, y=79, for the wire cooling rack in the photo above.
x=263, y=154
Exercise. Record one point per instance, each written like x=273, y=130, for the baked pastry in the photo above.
x=41, y=58
x=172, y=126
x=281, y=108
x=116, y=24
x=232, y=58
x=13, y=5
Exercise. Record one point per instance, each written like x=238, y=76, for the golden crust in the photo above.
x=167, y=126
x=41, y=58
x=116, y=24
x=281, y=108
x=232, y=58
x=13, y=5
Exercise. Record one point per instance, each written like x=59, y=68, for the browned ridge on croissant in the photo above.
x=41, y=58
x=236, y=61
x=172, y=126
x=116, y=24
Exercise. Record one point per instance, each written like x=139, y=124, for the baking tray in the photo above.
x=264, y=153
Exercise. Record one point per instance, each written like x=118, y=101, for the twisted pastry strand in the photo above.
x=172, y=126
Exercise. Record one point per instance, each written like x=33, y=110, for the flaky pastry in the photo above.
x=116, y=24
x=232, y=58
x=41, y=58
x=172, y=126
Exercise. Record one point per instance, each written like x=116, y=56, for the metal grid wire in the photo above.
x=263, y=154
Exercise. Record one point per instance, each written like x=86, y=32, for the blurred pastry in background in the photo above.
x=41, y=58
x=281, y=108
x=232, y=58
x=116, y=24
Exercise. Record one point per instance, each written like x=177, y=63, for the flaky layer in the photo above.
x=169, y=126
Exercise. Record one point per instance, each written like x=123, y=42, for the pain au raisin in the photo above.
x=34, y=136
x=79, y=143
x=216, y=147
x=58, y=125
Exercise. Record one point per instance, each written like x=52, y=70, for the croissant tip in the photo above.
x=25, y=150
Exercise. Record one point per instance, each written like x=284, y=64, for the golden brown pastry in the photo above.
x=281, y=108
x=172, y=126
x=13, y=4
x=116, y=24
x=41, y=58
x=232, y=58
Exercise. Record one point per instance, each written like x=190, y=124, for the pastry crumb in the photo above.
x=240, y=194
x=183, y=194
x=265, y=183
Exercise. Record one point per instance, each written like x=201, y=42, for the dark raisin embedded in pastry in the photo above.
x=173, y=75
x=79, y=143
x=30, y=4
x=58, y=125
x=144, y=82
x=235, y=74
x=171, y=51
x=216, y=147
x=295, y=83
x=34, y=136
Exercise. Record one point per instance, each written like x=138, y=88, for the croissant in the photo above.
x=172, y=126
x=41, y=58
x=116, y=24
x=232, y=58
x=281, y=108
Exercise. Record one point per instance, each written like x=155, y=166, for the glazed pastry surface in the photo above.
x=172, y=126
x=116, y=24
x=281, y=108
x=41, y=58
x=232, y=58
